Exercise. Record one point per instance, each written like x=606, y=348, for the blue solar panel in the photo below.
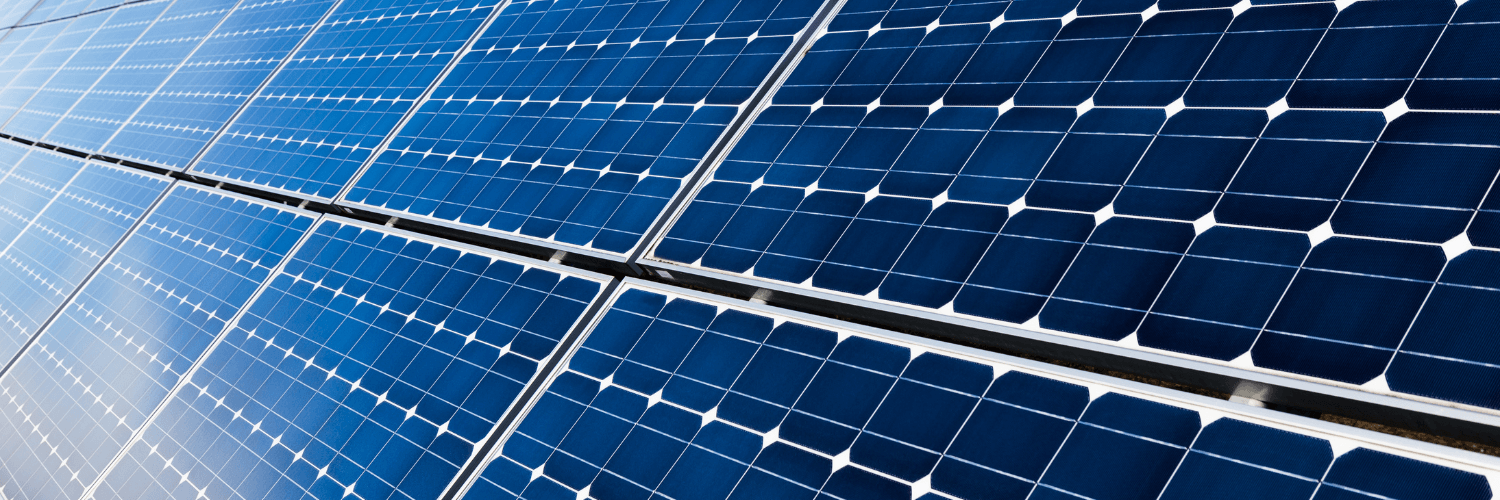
x=138, y=73
x=14, y=11
x=55, y=43
x=83, y=69
x=320, y=117
x=73, y=399
x=375, y=364
x=49, y=10
x=206, y=89
x=577, y=122
x=684, y=396
x=21, y=45
x=1250, y=184
x=47, y=262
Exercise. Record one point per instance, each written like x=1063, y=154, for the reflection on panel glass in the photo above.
x=73, y=399
x=322, y=115
x=372, y=366
x=576, y=122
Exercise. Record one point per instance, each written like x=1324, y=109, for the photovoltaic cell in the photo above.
x=143, y=68
x=83, y=69
x=1250, y=184
x=373, y=366
x=179, y=119
x=673, y=396
x=44, y=264
x=73, y=399
x=14, y=11
x=576, y=123
x=318, y=119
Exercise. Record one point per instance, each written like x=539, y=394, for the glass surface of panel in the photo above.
x=1247, y=185
x=576, y=123
x=74, y=398
x=673, y=396
x=373, y=365
x=317, y=120
x=179, y=119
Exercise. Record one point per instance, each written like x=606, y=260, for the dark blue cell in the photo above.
x=1163, y=58
x=1098, y=155
x=1107, y=458
x=1447, y=355
x=1024, y=265
x=1223, y=292
x=1346, y=311
x=940, y=257
x=1452, y=78
x=1001, y=168
x=1002, y=63
x=1242, y=461
x=1189, y=164
x=1342, y=73
x=1260, y=55
x=1362, y=472
x=1277, y=188
x=1078, y=60
x=1116, y=276
x=1395, y=198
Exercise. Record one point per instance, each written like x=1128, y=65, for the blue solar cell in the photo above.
x=796, y=410
x=1346, y=311
x=83, y=69
x=14, y=11
x=137, y=74
x=1451, y=78
x=1260, y=55
x=203, y=93
x=323, y=114
x=109, y=358
x=577, y=123
x=1145, y=175
x=1389, y=199
x=374, y=363
x=48, y=10
x=1447, y=354
x=44, y=264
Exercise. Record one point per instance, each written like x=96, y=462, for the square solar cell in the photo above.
x=1149, y=175
x=74, y=398
x=33, y=180
x=576, y=124
x=143, y=68
x=376, y=364
x=83, y=69
x=806, y=408
x=204, y=92
x=70, y=237
x=324, y=113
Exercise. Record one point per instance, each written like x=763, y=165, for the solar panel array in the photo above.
x=1271, y=186
x=1296, y=190
x=681, y=397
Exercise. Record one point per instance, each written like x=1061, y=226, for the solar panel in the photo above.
x=143, y=68
x=318, y=118
x=206, y=89
x=677, y=394
x=83, y=69
x=1233, y=183
x=577, y=123
x=50, y=10
x=375, y=365
x=74, y=397
x=55, y=43
x=14, y=11
x=43, y=265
